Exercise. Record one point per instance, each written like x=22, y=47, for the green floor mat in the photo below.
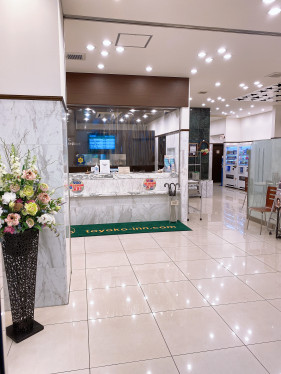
x=126, y=228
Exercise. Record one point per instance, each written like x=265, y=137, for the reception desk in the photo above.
x=120, y=198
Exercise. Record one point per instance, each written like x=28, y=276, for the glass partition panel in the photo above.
x=120, y=159
x=264, y=170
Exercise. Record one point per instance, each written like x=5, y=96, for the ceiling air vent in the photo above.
x=76, y=56
x=274, y=75
x=202, y=92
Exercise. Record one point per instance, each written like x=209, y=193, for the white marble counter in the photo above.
x=121, y=184
x=120, y=198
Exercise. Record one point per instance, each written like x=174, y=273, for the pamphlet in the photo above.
x=104, y=167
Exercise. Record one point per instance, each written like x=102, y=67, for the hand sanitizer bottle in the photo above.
x=96, y=169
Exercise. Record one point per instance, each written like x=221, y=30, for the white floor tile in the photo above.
x=195, y=330
x=158, y=366
x=58, y=348
x=231, y=361
x=125, y=339
x=119, y=301
x=255, y=322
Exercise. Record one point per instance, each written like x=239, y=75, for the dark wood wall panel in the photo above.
x=126, y=90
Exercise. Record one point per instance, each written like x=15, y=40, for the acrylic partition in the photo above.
x=264, y=171
x=134, y=142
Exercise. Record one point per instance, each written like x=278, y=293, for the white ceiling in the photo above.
x=237, y=14
x=173, y=52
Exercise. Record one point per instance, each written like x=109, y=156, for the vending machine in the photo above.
x=230, y=167
x=243, y=163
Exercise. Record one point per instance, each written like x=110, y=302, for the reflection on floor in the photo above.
x=206, y=301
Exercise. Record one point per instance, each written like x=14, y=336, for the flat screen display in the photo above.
x=101, y=142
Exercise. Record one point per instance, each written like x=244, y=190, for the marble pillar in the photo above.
x=43, y=126
x=183, y=171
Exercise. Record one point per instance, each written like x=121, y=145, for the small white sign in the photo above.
x=104, y=167
x=124, y=169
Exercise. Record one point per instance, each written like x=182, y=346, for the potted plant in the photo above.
x=26, y=206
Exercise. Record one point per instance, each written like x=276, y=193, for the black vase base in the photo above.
x=19, y=337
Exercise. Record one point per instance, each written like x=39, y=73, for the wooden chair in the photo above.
x=270, y=196
x=246, y=191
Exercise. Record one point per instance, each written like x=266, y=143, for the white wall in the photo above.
x=256, y=127
x=31, y=44
x=165, y=124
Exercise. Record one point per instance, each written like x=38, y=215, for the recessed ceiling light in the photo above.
x=212, y=101
x=260, y=85
x=219, y=98
x=222, y=99
x=249, y=113
x=257, y=83
x=218, y=84
x=120, y=49
x=145, y=116
x=217, y=108
x=209, y=60
x=148, y=68
x=154, y=111
x=227, y=105
x=193, y=71
x=202, y=54
x=240, y=109
x=104, y=119
x=138, y=120
x=245, y=87
x=221, y=50
x=106, y=42
x=101, y=66
x=126, y=115
x=252, y=106
x=209, y=99
x=227, y=56
x=268, y=1
x=274, y=11
x=203, y=104
x=262, y=110
x=104, y=53
x=242, y=84
x=90, y=47
x=122, y=120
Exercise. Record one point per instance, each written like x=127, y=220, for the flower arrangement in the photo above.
x=25, y=201
x=205, y=151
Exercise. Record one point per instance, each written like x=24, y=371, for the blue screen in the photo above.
x=101, y=141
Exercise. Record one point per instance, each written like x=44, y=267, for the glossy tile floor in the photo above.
x=204, y=302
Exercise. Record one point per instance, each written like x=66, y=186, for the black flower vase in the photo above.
x=20, y=252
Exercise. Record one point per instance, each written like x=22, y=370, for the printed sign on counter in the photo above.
x=76, y=186
x=149, y=184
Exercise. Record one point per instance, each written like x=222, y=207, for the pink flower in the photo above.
x=43, y=197
x=9, y=230
x=12, y=219
x=19, y=201
x=29, y=175
x=30, y=222
x=14, y=187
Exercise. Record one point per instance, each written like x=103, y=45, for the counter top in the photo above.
x=92, y=176
x=134, y=184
